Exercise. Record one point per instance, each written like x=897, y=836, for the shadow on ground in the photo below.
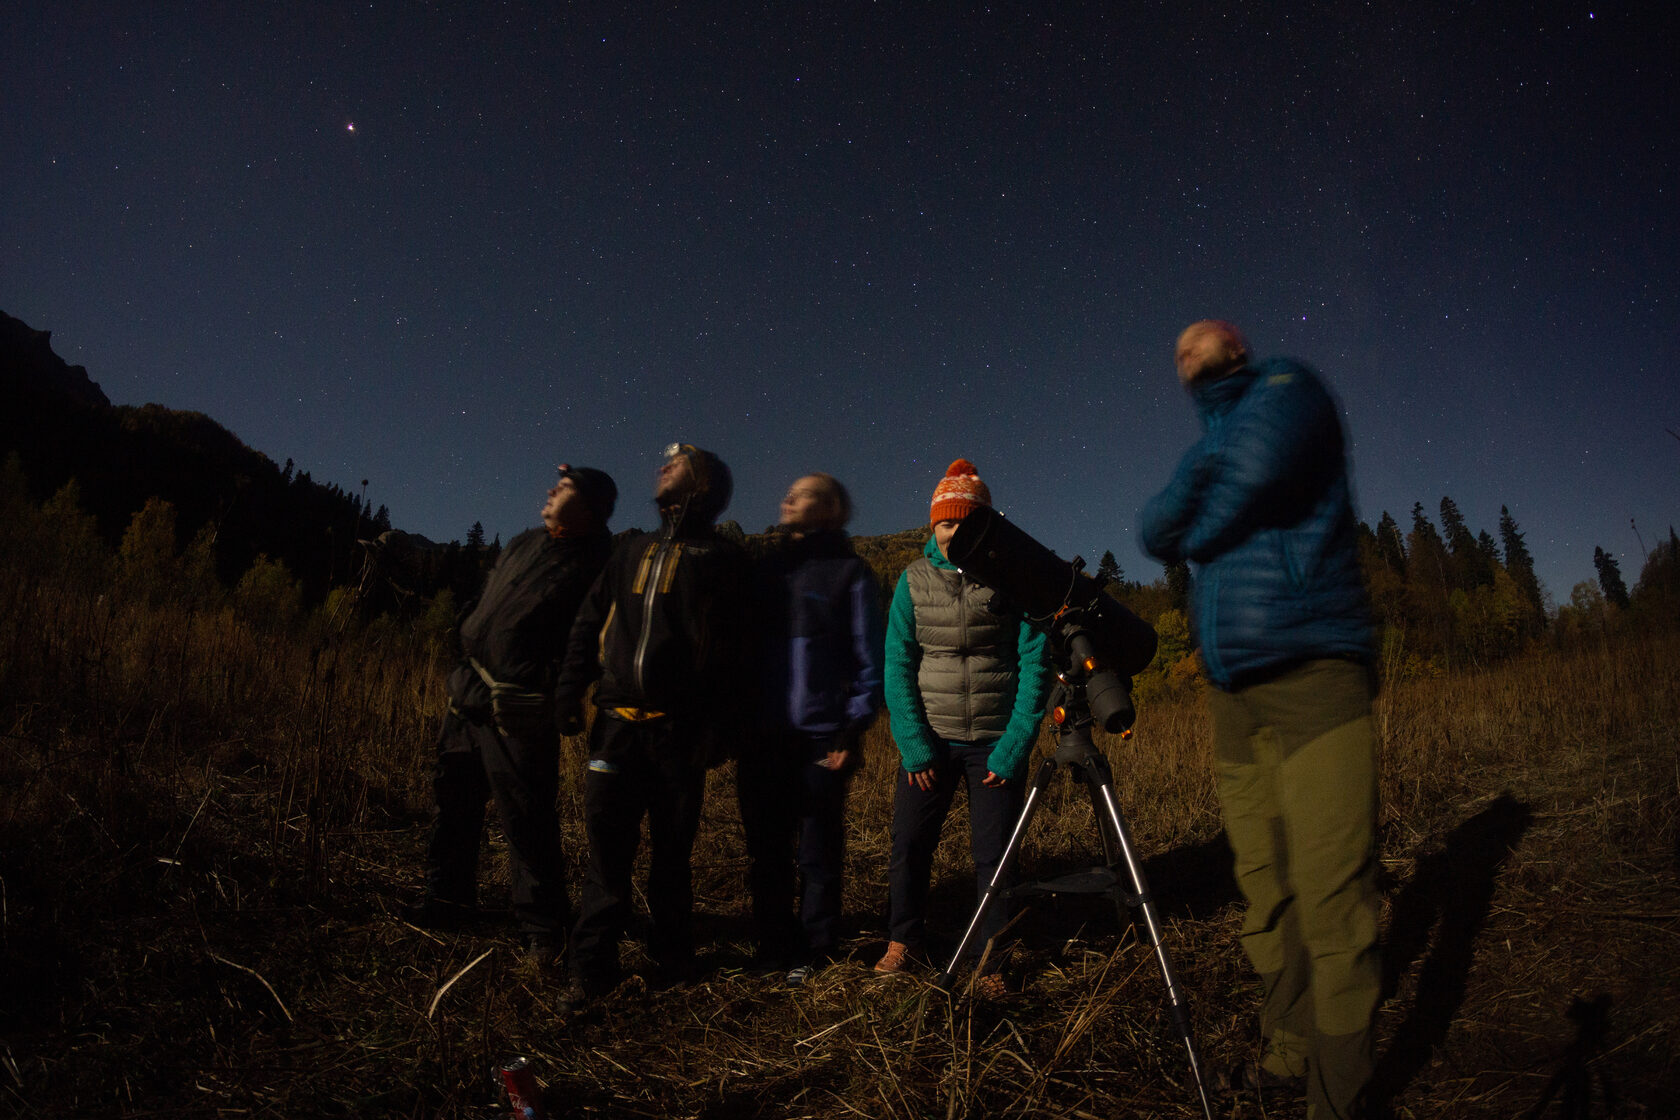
x=1450, y=893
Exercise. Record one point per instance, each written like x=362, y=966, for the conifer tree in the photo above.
x=1178, y=586
x=1108, y=570
x=1610, y=578
x=1467, y=568
x=475, y=535
x=1390, y=546
x=1521, y=565
x=1489, y=549
x=1657, y=594
x=1384, y=582
x=1427, y=585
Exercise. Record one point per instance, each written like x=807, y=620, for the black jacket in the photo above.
x=518, y=627
x=665, y=626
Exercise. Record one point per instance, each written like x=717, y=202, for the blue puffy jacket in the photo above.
x=821, y=615
x=1261, y=505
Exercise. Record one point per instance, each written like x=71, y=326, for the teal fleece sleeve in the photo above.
x=1010, y=753
x=916, y=741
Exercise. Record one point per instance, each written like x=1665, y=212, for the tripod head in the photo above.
x=1101, y=644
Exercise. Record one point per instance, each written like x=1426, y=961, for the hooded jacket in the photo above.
x=662, y=628
x=1261, y=505
x=516, y=630
x=821, y=617
x=962, y=666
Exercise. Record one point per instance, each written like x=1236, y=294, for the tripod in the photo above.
x=1077, y=751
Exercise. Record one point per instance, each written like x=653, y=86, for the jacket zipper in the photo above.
x=962, y=645
x=666, y=553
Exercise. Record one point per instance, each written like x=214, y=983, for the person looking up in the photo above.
x=820, y=617
x=499, y=735
x=662, y=630
x=1261, y=506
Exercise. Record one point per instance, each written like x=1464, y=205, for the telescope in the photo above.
x=1102, y=646
x=1104, y=641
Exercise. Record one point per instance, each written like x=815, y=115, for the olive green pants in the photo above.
x=1297, y=780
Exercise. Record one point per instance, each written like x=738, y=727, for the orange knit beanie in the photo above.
x=958, y=494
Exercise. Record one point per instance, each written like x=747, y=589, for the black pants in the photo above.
x=918, y=817
x=793, y=813
x=635, y=770
x=474, y=762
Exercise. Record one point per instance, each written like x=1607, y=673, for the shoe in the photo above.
x=991, y=986
x=574, y=998
x=668, y=972
x=771, y=961
x=438, y=914
x=799, y=974
x=1252, y=1077
x=545, y=950
x=895, y=959
x=581, y=991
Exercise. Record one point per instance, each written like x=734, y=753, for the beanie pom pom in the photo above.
x=960, y=468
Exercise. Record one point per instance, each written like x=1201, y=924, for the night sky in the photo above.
x=444, y=246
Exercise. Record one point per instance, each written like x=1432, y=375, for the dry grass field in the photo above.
x=206, y=833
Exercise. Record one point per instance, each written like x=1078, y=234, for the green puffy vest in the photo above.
x=970, y=664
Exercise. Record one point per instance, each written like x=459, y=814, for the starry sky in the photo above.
x=444, y=246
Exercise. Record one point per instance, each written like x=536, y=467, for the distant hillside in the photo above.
x=30, y=369
x=63, y=427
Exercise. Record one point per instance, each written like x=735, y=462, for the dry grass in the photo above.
x=205, y=833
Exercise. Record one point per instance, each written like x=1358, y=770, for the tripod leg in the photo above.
x=1001, y=875
x=1152, y=926
x=1095, y=773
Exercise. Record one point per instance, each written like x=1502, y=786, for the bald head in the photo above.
x=1209, y=350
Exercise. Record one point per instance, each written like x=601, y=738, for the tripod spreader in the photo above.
x=1078, y=753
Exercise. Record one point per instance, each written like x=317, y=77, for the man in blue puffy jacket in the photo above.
x=1260, y=504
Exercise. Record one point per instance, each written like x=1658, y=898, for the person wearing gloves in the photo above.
x=820, y=617
x=966, y=682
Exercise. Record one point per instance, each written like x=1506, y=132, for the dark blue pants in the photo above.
x=918, y=817
x=638, y=770
x=786, y=792
x=474, y=762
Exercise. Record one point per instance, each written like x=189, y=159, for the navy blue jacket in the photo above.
x=1261, y=505
x=821, y=615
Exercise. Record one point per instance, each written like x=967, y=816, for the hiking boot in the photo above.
x=1252, y=1077
x=668, y=972
x=545, y=950
x=772, y=960
x=574, y=998
x=582, y=991
x=895, y=959
x=991, y=986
